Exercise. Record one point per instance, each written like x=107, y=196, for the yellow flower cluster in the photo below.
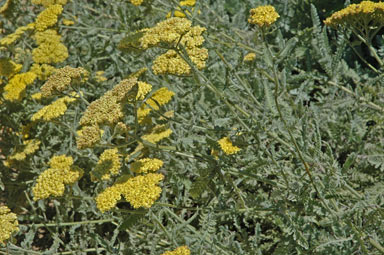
x=88, y=136
x=15, y=89
x=48, y=17
x=263, y=16
x=61, y=79
x=52, y=181
x=182, y=250
x=11, y=38
x=53, y=110
x=47, y=3
x=109, y=163
x=158, y=133
x=68, y=22
x=108, y=109
x=227, y=146
x=146, y=165
x=366, y=12
x=137, y=2
x=249, y=57
x=8, y=68
x=159, y=98
x=139, y=191
x=42, y=71
x=143, y=89
x=50, y=49
x=176, y=32
x=29, y=147
x=8, y=223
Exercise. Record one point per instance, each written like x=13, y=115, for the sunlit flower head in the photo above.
x=157, y=134
x=11, y=38
x=358, y=16
x=263, y=16
x=15, y=89
x=48, y=17
x=53, y=110
x=29, y=147
x=146, y=165
x=88, y=136
x=249, y=57
x=137, y=2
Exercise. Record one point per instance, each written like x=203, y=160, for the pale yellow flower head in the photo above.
x=15, y=89
x=263, y=16
x=183, y=250
x=227, y=146
x=108, y=199
x=48, y=17
x=11, y=38
x=53, y=110
x=146, y=165
x=52, y=181
x=30, y=146
x=144, y=89
x=158, y=133
x=108, y=164
x=8, y=223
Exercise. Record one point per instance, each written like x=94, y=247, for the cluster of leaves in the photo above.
x=306, y=113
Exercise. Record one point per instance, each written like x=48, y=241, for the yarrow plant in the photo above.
x=191, y=127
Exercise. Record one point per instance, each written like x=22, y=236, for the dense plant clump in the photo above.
x=191, y=127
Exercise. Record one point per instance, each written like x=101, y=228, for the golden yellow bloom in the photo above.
x=11, y=38
x=53, y=110
x=68, y=22
x=142, y=113
x=160, y=97
x=107, y=199
x=50, y=53
x=144, y=89
x=8, y=223
x=100, y=76
x=170, y=62
x=14, y=90
x=146, y=165
x=182, y=250
x=137, y=2
x=8, y=68
x=181, y=14
x=30, y=146
x=48, y=17
x=61, y=79
x=47, y=3
x=263, y=16
x=88, y=136
x=52, y=181
x=109, y=163
x=108, y=108
x=141, y=191
x=42, y=71
x=227, y=146
x=358, y=16
x=158, y=133
x=168, y=31
x=249, y=57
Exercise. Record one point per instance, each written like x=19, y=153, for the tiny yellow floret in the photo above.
x=183, y=250
x=227, y=146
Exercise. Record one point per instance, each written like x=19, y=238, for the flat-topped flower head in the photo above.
x=53, y=110
x=137, y=2
x=358, y=15
x=108, y=164
x=48, y=17
x=8, y=223
x=15, y=89
x=263, y=16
